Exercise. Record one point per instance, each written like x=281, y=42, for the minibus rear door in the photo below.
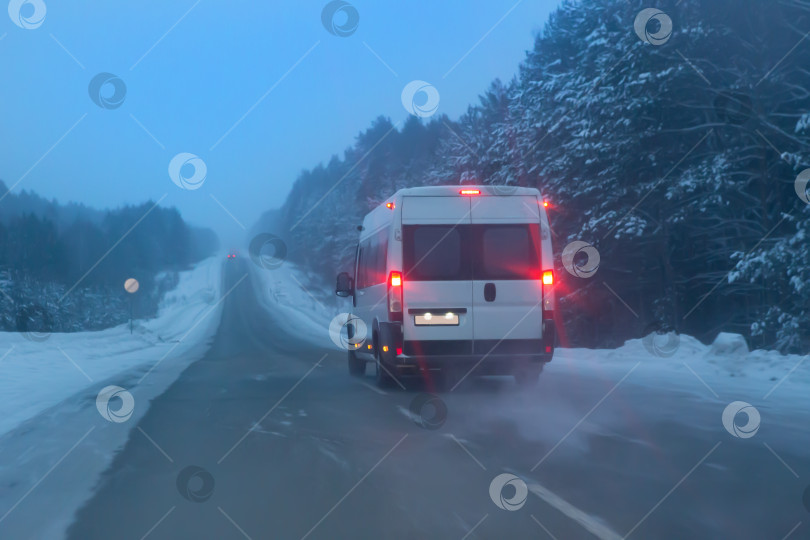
x=507, y=277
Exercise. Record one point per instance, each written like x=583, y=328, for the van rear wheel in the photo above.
x=381, y=376
x=357, y=366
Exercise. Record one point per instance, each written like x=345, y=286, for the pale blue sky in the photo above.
x=211, y=68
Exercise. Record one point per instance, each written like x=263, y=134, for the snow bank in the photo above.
x=307, y=306
x=726, y=344
x=302, y=305
x=725, y=366
x=36, y=375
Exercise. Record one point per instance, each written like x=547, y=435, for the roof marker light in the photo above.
x=470, y=192
x=390, y=205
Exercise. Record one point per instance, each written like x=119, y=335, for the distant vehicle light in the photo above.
x=548, y=277
x=385, y=348
x=470, y=192
x=399, y=351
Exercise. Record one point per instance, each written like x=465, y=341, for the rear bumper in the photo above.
x=488, y=357
x=483, y=365
x=477, y=348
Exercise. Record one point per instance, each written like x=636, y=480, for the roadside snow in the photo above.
x=303, y=306
x=723, y=368
x=35, y=376
x=48, y=414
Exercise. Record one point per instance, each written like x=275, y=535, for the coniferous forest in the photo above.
x=676, y=162
x=63, y=267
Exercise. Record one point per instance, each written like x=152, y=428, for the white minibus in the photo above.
x=454, y=279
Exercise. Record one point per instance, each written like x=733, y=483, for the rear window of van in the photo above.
x=436, y=253
x=506, y=252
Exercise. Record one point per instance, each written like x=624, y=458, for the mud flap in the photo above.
x=549, y=338
x=390, y=335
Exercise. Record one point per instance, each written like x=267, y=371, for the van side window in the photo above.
x=356, y=264
x=361, y=255
x=366, y=264
x=382, y=255
x=371, y=260
x=371, y=263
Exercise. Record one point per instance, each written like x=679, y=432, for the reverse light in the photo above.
x=470, y=192
x=548, y=277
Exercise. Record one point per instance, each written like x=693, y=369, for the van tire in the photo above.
x=528, y=377
x=381, y=377
x=357, y=366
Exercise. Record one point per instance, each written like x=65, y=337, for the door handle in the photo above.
x=489, y=292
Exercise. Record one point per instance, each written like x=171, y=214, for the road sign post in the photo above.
x=131, y=286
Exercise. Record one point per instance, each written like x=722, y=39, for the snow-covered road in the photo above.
x=280, y=441
x=49, y=387
x=38, y=373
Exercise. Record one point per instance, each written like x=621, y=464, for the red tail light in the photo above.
x=395, y=296
x=545, y=203
x=470, y=192
x=548, y=277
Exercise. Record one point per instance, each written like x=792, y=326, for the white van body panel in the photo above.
x=506, y=209
x=426, y=210
x=517, y=311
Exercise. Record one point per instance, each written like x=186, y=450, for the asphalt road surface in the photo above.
x=268, y=437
